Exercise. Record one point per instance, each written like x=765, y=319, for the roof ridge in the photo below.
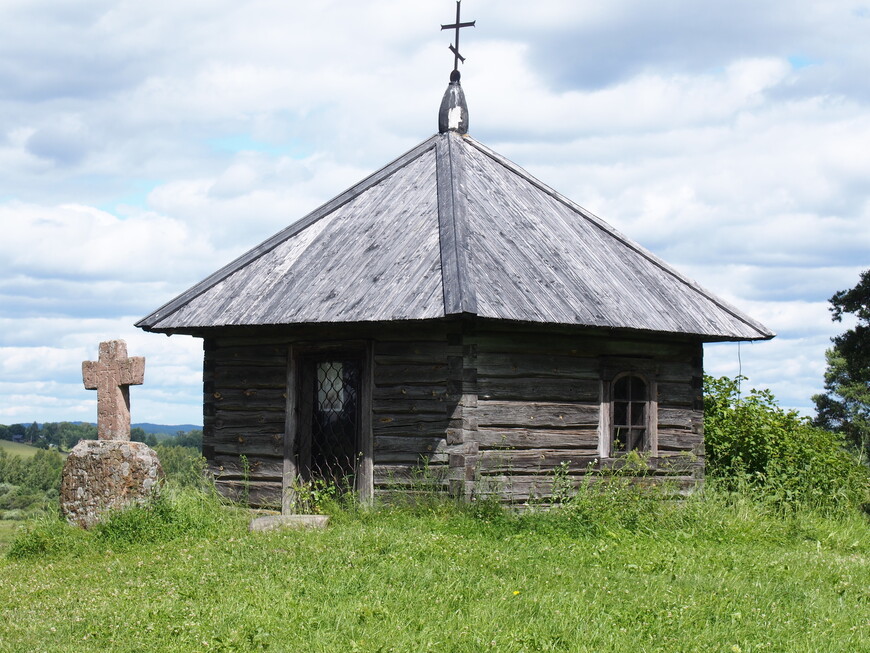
x=611, y=231
x=303, y=223
x=458, y=287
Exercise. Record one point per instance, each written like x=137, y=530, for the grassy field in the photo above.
x=18, y=449
x=695, y=578
x=8, y=529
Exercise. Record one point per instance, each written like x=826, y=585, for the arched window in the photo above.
x=630, y=414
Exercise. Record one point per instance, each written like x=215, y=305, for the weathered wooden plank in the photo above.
x=259, y=494
x=578, y=343
x=411, y=391
x=410, y=424
x=408, y=406
x=536, y=365
x=410, y=374
x=537, y=414
x=409, y=443
x=507, y=438
x=409, y=458
x=672, y=440
x=536, y=461
x=545, y=461
x=413, y=450
x=685, y=418
x=677, y=394
x=393, y=353
x=318, y=334
x=252, y=419
x=411, y=477
x=275, y=355
x=246, y=337
x=249, y=398
x=229, y=432
x=518, y=489
x=247, y=376
x=674, y=372
x=537, y=389
x=248, y=443
x=258, y=467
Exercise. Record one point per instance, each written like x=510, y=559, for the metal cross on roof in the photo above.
x=454, y=47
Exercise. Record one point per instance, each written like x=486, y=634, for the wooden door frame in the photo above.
x=364, y=482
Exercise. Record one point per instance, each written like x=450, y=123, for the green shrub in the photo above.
x=750, y=439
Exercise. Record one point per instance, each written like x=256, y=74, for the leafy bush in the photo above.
x=777, y=452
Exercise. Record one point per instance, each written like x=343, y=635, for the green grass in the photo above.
x=18, y=449
x=706, y=576
x=8, y=529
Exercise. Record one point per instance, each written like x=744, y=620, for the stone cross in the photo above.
x=111, y=376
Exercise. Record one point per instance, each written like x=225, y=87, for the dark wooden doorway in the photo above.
x=328, y=433
x=329, y=439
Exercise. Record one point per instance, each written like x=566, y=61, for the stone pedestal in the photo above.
x=104, y=475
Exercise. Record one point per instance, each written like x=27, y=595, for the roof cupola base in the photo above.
x=453, y=115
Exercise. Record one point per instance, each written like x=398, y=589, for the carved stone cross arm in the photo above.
x=111, y=376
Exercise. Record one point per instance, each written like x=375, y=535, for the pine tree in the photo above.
x=845, y=404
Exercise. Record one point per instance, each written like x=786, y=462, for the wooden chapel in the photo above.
x=449, y=313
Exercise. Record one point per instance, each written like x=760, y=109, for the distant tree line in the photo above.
x=65, y=435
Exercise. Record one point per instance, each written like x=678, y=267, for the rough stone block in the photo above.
x=104, y=475
x=273, y=522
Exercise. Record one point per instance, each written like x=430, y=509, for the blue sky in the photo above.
x=144, y=145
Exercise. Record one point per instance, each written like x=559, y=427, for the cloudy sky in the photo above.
x=145, y=144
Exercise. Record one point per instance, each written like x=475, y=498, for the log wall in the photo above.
x=454, y=407
x=539, y=407
x=410, y=411
x=244, y=415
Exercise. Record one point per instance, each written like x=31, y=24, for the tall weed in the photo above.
x=183, y=466
x=174, y=513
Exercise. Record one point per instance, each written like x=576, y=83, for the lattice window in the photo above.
x=630, y=414
x=335, y=418
x=330, y=386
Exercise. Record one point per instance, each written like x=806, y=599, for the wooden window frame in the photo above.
x=611, y=372
x=364, y=482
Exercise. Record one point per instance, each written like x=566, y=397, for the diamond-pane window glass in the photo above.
x=330, y=386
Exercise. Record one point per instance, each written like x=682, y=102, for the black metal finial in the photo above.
x=454, y=47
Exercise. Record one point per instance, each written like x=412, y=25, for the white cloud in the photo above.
x=76, y=241
x=144, y=145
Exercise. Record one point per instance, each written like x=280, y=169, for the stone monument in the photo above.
x=111, y=472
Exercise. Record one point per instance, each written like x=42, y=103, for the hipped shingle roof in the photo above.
x=452, y=228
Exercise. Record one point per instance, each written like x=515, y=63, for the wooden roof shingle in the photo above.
x=452, y=228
